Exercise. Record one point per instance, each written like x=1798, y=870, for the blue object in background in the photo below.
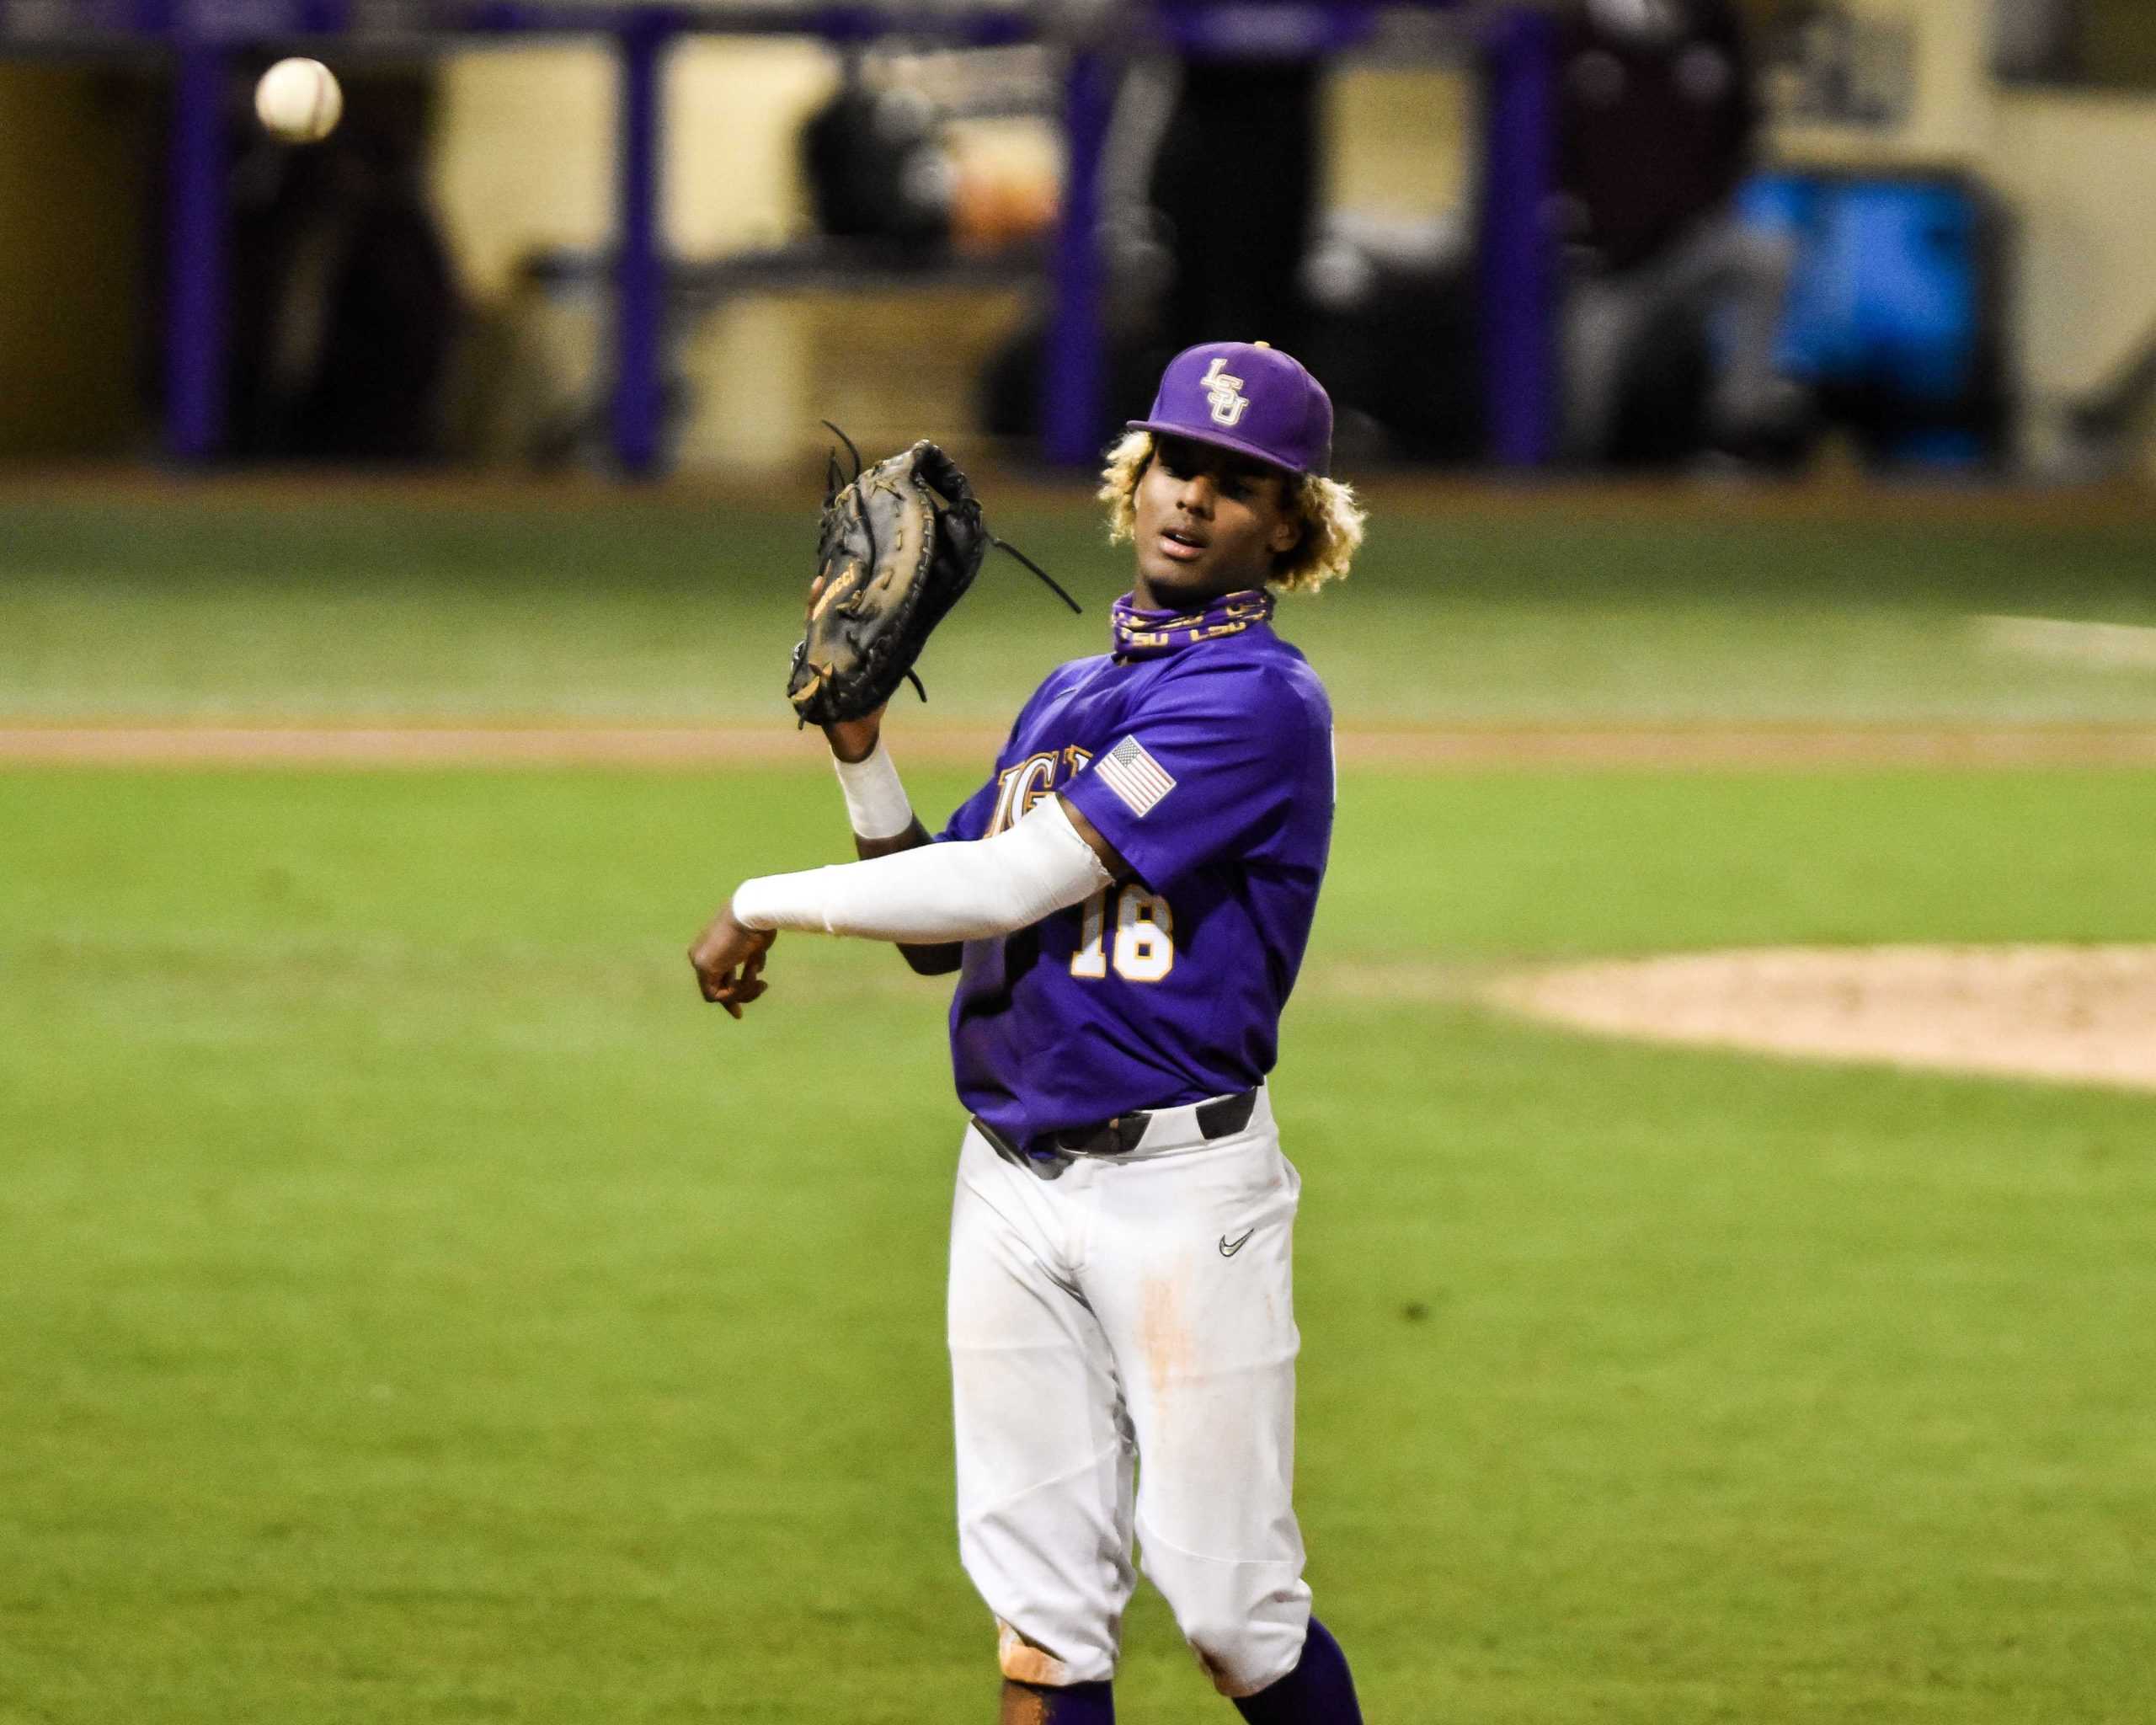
x=1887, y=302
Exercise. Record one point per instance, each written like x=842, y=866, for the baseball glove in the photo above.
x=899, y=546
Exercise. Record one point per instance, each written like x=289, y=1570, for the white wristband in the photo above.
x=875, y=801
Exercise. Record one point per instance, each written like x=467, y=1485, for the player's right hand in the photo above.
x=728, y=960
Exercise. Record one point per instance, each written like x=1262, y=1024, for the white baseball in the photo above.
x=298, y=100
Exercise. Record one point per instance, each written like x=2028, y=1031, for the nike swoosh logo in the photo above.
x=1229, y=1247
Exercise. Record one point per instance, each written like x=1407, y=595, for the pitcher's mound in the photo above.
x=2083, y=1015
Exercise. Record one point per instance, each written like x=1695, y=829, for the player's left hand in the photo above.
x=728, y=960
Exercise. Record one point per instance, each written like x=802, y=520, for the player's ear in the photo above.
x=1297, y=518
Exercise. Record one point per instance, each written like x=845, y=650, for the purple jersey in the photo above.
x=1209, y=766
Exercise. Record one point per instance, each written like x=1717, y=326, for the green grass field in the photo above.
x=418, y=1306
x=1514, y=610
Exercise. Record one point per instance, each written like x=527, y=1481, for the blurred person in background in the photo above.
x=877, y=169
x=1209, y=188
x=1658, y=114
x=1234, y=184
x=344, y=304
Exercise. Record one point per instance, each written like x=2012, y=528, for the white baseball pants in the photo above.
x=1121, y=1320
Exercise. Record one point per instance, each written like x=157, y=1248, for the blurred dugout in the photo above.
x=1970, y=121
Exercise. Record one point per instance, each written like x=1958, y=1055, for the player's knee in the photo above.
x=1243, y=1658
x=1245, y=1638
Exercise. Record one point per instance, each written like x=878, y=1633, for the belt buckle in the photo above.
x=1117, y=1135
x=1224, y=1117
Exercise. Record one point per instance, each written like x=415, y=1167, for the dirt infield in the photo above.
x=690, y=747
x=2083, y=1015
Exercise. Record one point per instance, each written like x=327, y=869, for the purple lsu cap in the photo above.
x=1249, y=397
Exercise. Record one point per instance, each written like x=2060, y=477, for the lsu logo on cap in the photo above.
x=1223, y=392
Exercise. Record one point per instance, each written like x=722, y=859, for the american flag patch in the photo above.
x=1134, y=776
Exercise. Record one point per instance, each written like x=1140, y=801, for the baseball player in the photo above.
x=1126, y=901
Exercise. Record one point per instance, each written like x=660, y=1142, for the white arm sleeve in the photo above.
x=963, y=891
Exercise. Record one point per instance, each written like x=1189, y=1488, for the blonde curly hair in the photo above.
x=1332, y=520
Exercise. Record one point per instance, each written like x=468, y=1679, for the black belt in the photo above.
x=1222, y=1118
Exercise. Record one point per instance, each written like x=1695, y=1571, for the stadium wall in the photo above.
x=75, y=158
x=79, y=153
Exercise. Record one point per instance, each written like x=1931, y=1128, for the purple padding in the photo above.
x=640, y=283
x=1075, y=376
x=1519, y=263
x=194, y=293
